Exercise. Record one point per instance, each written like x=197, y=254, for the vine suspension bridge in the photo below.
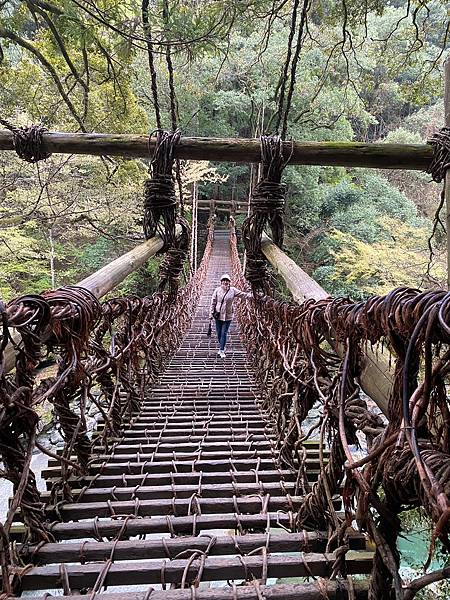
x=198, y=460
x=209, y=478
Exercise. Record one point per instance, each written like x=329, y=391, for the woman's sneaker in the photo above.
x=222, y=354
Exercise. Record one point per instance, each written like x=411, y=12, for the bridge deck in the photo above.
x=193, y=492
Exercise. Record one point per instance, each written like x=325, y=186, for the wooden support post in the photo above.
x=376, y=376
x=447, y=175
x=195, y=229
x=345, y=154
x=104, y=280
x=233, y=201
x=222, y=203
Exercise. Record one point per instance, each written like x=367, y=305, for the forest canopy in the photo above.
x=315, y=70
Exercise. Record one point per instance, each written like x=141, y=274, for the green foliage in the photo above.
x=142, y=282
x=77, y=69
x=24, y=264
x=363, y=268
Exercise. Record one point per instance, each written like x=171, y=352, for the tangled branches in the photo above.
x=311, y=355
x=62, y=320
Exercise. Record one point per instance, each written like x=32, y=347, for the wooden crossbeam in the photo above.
x=332, y=590
x=346, y=154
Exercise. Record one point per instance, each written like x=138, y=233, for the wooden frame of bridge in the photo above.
x=146, y=473
x=377, y=379
x=345, y=154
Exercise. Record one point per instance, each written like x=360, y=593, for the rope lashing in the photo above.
x=28, y=141
x=441, y=156
x=268, y=197
x=267, y=206
x=172, y=265
x=160, y=201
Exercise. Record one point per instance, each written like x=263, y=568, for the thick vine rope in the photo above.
x=160, y=212
x=267, y=207
x=28, y=141
x=172, y=265
x=441, y=156
x=160, y=203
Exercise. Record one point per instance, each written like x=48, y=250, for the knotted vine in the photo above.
x=267, y=207
x=28, y=141
x=160, y=211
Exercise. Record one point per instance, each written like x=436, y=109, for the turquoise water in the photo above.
x=414, y=546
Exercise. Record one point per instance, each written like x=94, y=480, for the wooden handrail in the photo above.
x=105, y=279
x=376, y=376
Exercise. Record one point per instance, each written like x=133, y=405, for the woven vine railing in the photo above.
x=408, y=457
x=107, y=354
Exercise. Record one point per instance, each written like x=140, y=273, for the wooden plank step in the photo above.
x=213, y=382
x=140, y=459
x=186, y=434
x=179, y=507
x=212, y=379
x=183, y=456
x=212, y=420
x=147, y=492
x=331, y=590
x=175, y=421
x=190, y=525
x=207, y=466
x=120, y=454
x=221, y=405
x=206, y=447
x=236, y=374
x=217, y=428
x=203, y=438
x=214, y=569
x=233, y=371
x=173, y=414
x=187, y=478
x=144, y=549
x=218, y=406
x=154, y=396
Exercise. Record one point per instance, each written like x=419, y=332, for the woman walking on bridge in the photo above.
x=222, y=309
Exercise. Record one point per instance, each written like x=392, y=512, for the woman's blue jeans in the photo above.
x=222, y=328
